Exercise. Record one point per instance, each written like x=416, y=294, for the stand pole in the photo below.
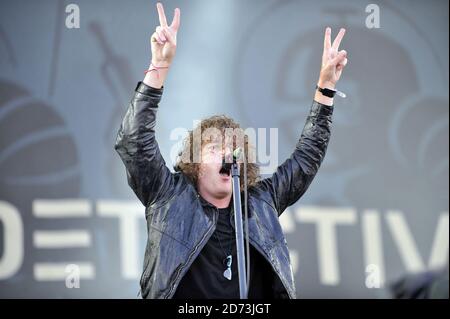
x=243, y=289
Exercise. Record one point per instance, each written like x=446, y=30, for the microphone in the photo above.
x=226, y=166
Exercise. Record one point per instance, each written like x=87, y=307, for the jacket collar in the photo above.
x=205, y=203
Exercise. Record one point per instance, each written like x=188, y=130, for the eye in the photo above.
x=210, y=148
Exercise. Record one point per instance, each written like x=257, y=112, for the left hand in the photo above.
x=333, y=60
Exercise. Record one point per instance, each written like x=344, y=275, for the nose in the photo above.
x=228, y=154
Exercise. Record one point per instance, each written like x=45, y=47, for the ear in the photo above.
x=200, y=171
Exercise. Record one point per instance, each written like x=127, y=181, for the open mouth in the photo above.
x=224, y=172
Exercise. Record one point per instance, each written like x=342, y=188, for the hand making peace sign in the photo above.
x=164, y=44
x=333, y=60
x=164, y=39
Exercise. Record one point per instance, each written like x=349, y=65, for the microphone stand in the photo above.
x=243, y=289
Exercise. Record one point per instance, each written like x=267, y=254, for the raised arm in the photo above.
x=164, y=44
x=147, y=172
x=293, y=177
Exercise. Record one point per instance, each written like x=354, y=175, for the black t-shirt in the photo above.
x=205, y=279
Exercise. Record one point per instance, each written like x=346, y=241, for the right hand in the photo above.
x=164, y=39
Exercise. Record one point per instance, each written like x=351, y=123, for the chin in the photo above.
x=223, y=193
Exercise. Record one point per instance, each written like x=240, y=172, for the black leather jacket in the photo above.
x=179, y=223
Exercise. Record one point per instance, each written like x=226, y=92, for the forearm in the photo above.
x=139, y=121
x=313, y=143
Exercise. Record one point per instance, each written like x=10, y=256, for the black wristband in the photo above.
x=326, y=92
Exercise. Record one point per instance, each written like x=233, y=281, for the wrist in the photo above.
x=326, y=84
x=163, y=64
x=319, y=97
x=322, y=99
x=156, y=74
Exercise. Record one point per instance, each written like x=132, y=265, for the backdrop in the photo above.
x=70, y=227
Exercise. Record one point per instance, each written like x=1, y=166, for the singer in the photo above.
x=191, y=249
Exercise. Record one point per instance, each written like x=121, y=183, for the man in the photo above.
x=190, y=250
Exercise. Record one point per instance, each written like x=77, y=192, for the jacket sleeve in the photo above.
x=146, y=169
x=293, y=177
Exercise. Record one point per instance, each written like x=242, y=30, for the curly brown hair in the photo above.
x=190, y=167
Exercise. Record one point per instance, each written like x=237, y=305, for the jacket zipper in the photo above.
x=188, y=263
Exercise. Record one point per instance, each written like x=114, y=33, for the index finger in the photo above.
x=338, y=39
x=327, y=39
x=176, y=19
x=162, y=16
